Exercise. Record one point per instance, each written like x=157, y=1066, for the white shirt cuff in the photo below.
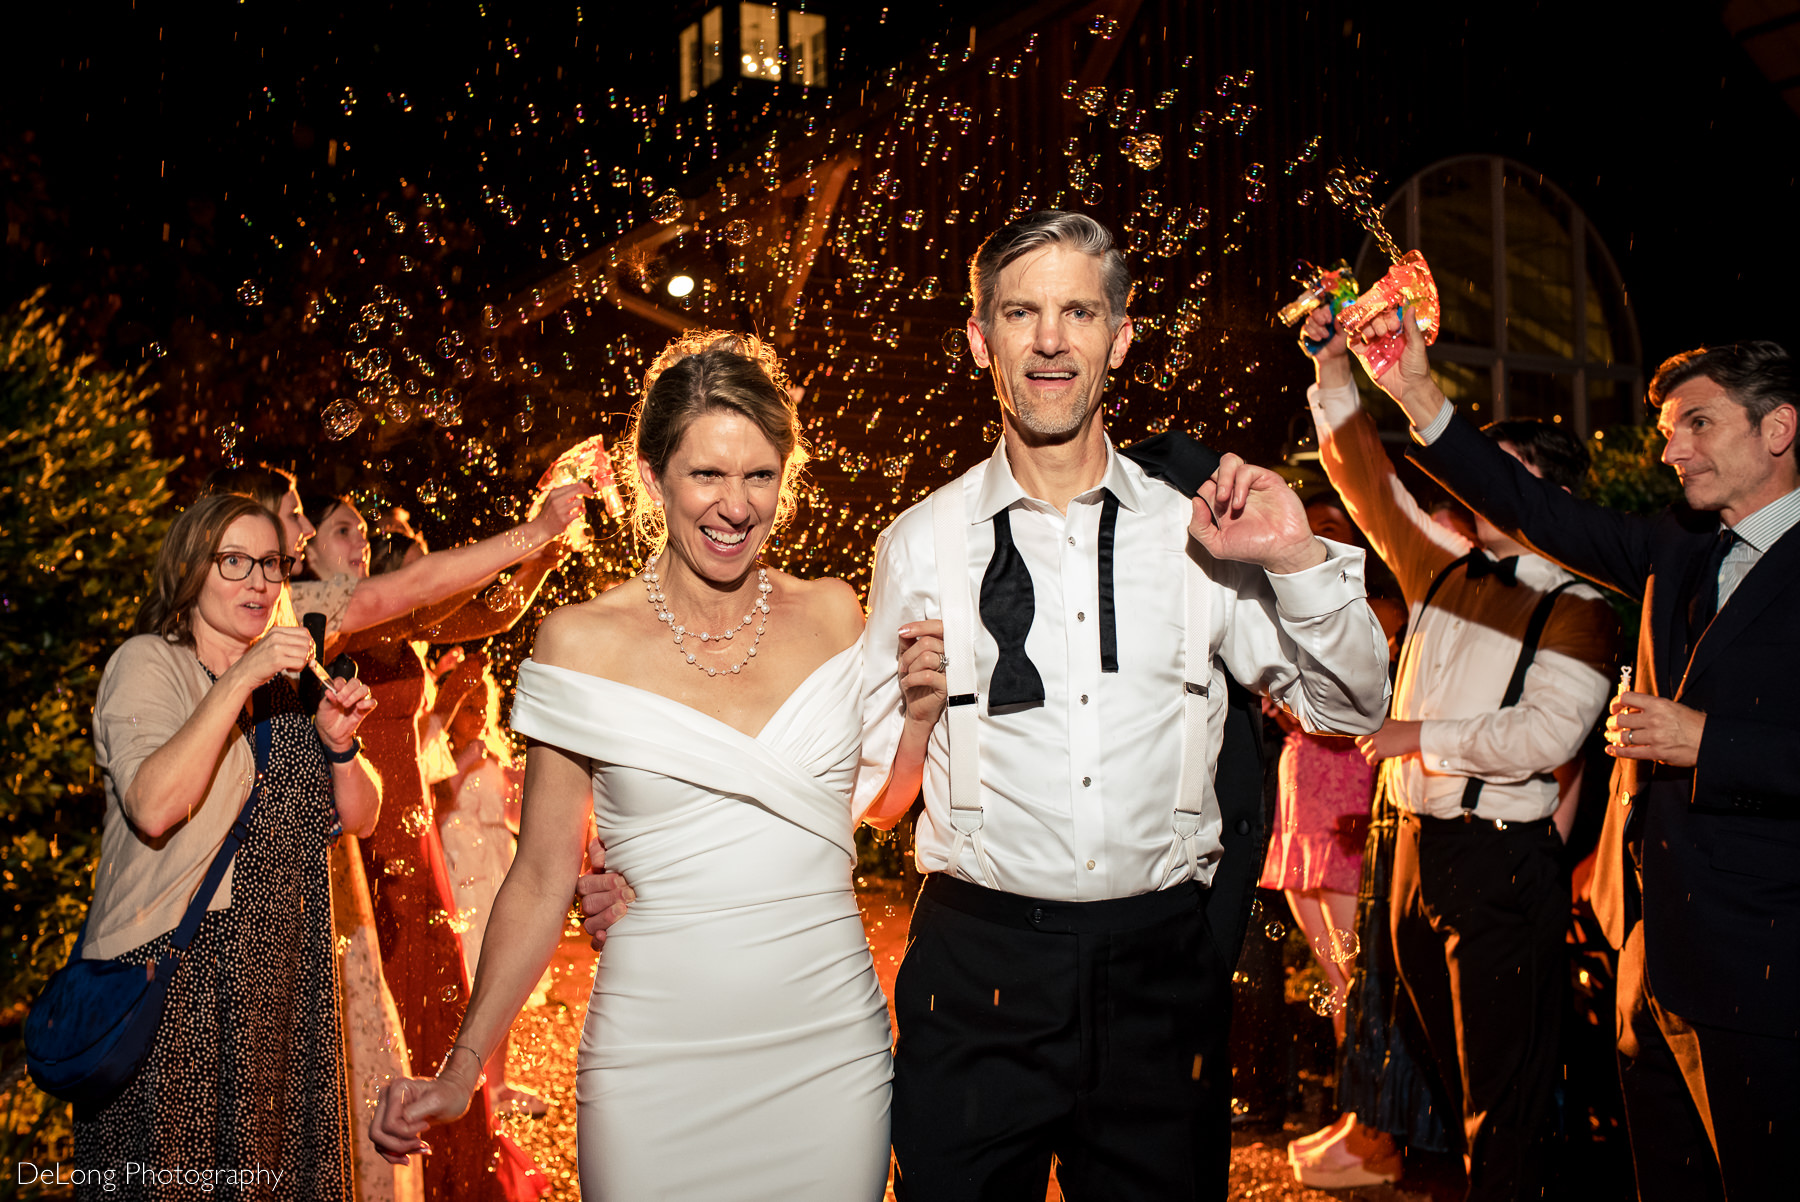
x=1435, y=430
x=1335, y=405
x=1323, y=588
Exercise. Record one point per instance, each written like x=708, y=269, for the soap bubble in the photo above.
x=955, y=342
x=666, y=209
x=250, y=293
x=1344, y=946
x=1276, y=929
x=1322, y=1000
x=737, y=231
x=1145, y=150
x=341, y=418
x=1255, y=191
x=1305, y=198
x=1093, y=101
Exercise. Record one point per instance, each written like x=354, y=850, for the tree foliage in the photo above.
x=1628, y=472
x=82, y=510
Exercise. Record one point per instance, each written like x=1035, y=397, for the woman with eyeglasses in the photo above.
x=247, y=1068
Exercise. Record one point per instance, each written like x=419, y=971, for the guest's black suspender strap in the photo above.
x=1515, y=688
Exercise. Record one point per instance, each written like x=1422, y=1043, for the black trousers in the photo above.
x=1479, y=919
x=1714, y=1114
x=1094, y=1032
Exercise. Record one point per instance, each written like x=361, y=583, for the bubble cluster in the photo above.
x=1144, y=150
x=1322, y=1000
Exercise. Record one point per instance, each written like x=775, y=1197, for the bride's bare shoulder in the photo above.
x=586, y=636
x=831, y=606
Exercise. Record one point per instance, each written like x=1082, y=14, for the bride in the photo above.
x=737, y=1043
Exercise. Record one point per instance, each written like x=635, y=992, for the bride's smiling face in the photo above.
x=719, y=494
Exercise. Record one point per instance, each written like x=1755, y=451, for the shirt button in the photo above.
x=1086, y=781
x=1084, y=699
x=1081, y=617
x=1090, y=865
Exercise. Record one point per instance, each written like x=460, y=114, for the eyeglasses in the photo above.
x=235, y=565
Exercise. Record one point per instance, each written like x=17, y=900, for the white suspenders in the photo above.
x=950, y=534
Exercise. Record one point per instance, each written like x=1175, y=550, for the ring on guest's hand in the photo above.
x=1629, y=740
x=943, y=661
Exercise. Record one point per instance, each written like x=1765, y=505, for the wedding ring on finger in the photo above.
x=1630, y=739
x=943, y=662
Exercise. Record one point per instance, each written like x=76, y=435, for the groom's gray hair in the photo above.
x=1048, y=227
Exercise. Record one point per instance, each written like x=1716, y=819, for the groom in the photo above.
x=1066, y=987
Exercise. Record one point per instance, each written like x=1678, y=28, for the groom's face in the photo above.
x=1051, y=341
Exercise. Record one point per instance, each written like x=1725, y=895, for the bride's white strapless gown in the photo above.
x=737, y=1042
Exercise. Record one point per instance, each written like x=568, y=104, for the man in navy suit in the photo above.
x=1698, y=877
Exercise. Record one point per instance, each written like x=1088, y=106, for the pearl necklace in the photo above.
x=653, y=588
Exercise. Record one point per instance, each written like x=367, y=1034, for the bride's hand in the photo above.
x=922, y=665
x=411, y=1104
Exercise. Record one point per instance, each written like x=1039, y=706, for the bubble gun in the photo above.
x=1333, y=286
x=585, y=461
x=1407, y=283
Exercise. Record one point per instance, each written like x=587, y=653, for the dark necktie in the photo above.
x=1506, y=571
x=1704, y=605
x=1007, y=607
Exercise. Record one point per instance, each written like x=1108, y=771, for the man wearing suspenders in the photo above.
x=1504, y=674
x=1062, y=993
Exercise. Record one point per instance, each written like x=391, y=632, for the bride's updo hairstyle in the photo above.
x=710, y=371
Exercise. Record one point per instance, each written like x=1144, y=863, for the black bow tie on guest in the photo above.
x=1506, y=571
x=1008, y=603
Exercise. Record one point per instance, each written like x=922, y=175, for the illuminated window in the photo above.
x=759, y=37
x=1535, y=319
x=806, y=49
x=773, y=44
x=701, y=61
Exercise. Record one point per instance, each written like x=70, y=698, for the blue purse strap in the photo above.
x=262, y=722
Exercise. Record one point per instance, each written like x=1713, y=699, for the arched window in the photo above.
x=1535, y=320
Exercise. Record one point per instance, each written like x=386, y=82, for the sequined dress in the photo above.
x=247, y=1071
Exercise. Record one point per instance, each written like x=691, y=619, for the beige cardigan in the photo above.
x=141, y=889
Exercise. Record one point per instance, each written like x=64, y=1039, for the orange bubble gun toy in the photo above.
x=585, y=461
x=1407, y=283
x=1333, y=286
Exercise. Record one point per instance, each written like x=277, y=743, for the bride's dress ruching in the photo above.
x=737, y=1042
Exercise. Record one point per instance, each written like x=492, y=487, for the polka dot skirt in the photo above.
x=246, y=1078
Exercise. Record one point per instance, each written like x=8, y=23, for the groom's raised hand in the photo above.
x=1249, y=514
x=603, y=896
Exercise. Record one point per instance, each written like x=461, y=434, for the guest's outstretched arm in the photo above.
x=1608, y=547
x=442, y=574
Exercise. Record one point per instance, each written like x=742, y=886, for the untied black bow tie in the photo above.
x=1008, y=602
x=1506, y=571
